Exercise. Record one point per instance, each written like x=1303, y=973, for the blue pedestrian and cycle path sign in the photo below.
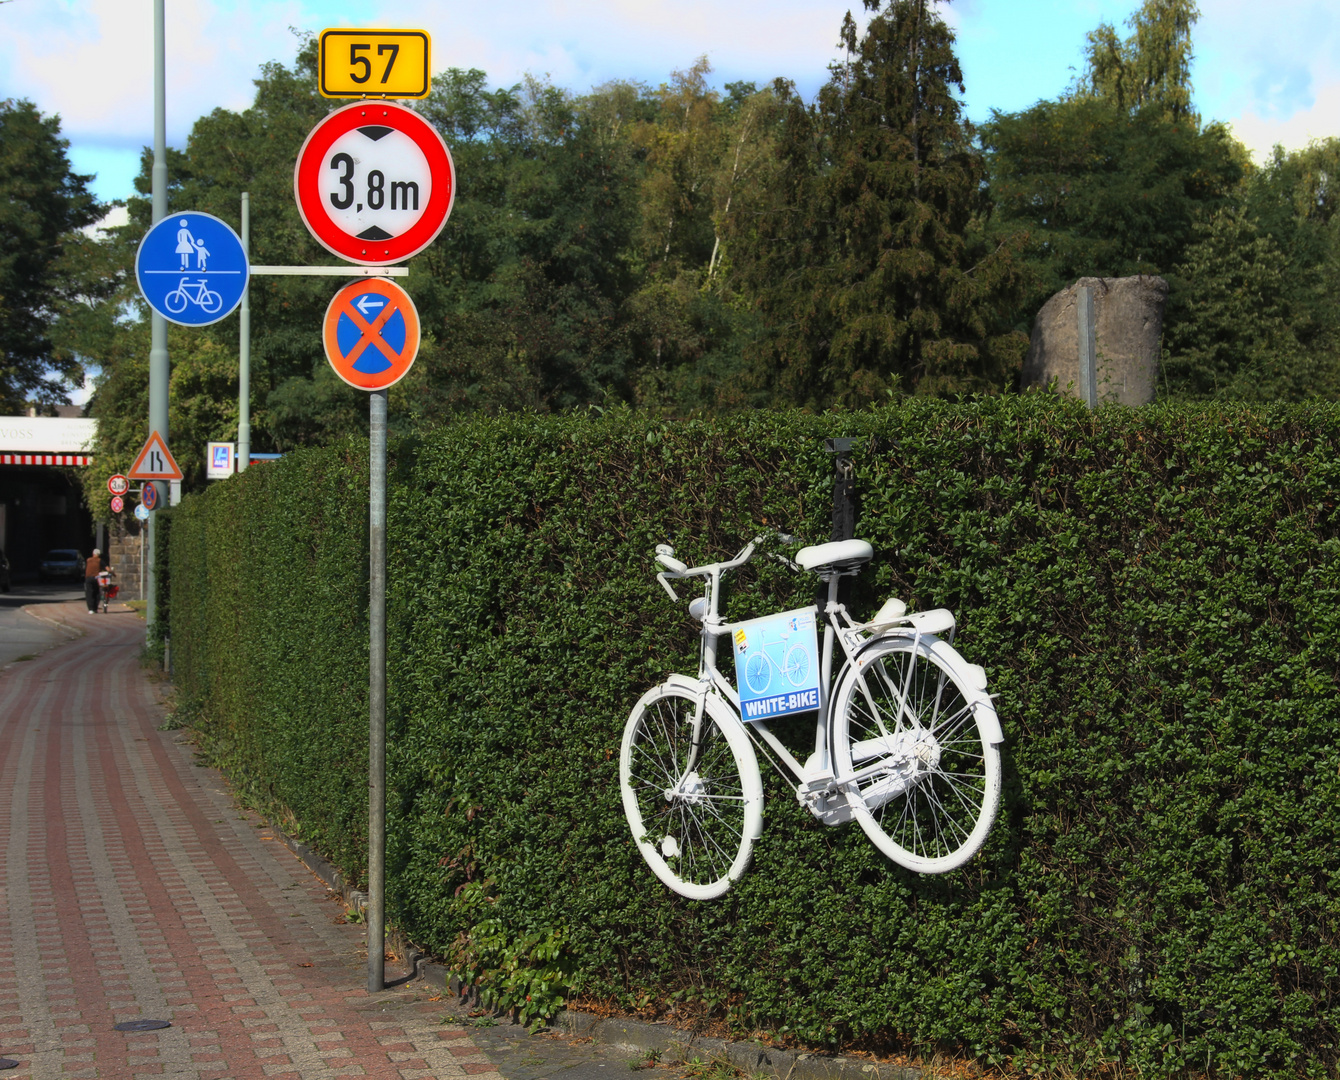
x=192, y=269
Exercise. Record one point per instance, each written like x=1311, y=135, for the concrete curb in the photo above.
x=665, y=1043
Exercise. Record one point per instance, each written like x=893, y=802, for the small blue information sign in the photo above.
x=777, y=664
x=192, y=269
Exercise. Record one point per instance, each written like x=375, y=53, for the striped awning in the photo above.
x=45, y=459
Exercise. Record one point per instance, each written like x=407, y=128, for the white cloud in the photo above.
x=1261, y=133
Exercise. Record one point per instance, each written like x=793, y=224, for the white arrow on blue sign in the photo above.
x=191, y=268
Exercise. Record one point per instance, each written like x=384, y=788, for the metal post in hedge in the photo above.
x=844, y=488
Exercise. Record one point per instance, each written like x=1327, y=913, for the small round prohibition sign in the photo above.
x=374, y=183
x=371, y=334
x=149, y=497
x=118, y=484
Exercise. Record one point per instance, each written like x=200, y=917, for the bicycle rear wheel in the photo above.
x=695, y=811
x=919, y=740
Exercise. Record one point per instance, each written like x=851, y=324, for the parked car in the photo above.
x=4, y=573
x=61, y=564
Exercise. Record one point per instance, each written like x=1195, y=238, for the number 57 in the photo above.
x=356, y=61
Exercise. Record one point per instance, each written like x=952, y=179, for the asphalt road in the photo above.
x=23, y=635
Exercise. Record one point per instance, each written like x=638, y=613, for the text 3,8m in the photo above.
x=404, y=194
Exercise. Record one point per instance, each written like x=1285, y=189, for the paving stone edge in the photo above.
x=662, y=1041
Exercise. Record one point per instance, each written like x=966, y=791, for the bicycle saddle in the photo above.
x=844, y=556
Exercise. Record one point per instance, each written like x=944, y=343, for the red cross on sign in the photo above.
x=371, y=334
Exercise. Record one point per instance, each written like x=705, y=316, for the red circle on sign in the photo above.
x=371, y=333
x=118, y=504
x=118, y=484
x=149, y=496
x=362, y=188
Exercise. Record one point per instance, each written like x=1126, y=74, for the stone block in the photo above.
x=1128, y=321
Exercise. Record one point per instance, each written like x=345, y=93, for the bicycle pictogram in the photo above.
x=793, y=663
x=197, y=293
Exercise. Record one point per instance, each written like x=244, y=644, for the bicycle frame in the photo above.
x=815, y=777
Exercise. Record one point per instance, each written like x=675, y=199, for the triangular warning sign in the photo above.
x=154, y=462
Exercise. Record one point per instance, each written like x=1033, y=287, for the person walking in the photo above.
x=92, y=592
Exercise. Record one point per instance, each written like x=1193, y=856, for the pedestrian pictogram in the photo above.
x=149, y=497
x=371, y=333
x=154, y=462
x=118, y=484
x=362, y=63
x=374, y=183
x=191, y=268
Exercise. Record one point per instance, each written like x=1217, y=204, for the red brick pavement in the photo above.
x=135, y=889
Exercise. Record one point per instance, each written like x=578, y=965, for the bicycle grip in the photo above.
x=668, y=587
x=665, y=555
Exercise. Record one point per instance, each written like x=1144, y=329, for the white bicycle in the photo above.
x=906, y=739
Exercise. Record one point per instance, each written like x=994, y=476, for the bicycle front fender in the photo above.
x=713, y=700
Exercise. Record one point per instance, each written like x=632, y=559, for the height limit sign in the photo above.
x=374, y=183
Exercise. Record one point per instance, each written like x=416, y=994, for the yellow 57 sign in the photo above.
x=373, y=63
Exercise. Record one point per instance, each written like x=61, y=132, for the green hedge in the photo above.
x=1152, y=592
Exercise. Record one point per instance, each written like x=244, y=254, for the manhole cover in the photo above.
x=8, y=1063
x=141, y=1025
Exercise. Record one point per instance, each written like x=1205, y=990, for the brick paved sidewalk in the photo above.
x=134, y=889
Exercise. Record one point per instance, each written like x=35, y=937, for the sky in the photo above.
x=1269, y=70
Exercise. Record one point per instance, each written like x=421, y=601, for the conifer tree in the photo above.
x=868, y=266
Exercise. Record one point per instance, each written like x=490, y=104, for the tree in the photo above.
x=1234, y=336
x=869, y=267
x=1152, y=67
x=686, y=324
x=42, y=205
x=1295, y=200
x=1106, y=192
x=1115, y=177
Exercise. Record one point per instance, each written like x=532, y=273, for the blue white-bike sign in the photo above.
x=777, y=664
x=192, y=269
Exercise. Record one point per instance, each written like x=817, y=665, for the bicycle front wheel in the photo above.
x=917, y=742
x=691, y=791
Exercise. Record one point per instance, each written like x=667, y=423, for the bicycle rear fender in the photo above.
x=973, y=677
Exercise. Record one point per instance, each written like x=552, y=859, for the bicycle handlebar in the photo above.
x=665, y=555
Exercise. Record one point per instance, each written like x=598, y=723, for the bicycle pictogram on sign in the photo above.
x=371, y=334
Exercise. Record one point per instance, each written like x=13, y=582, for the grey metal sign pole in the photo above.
x=376, y=915
x=244, y=351
x=158, y=352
